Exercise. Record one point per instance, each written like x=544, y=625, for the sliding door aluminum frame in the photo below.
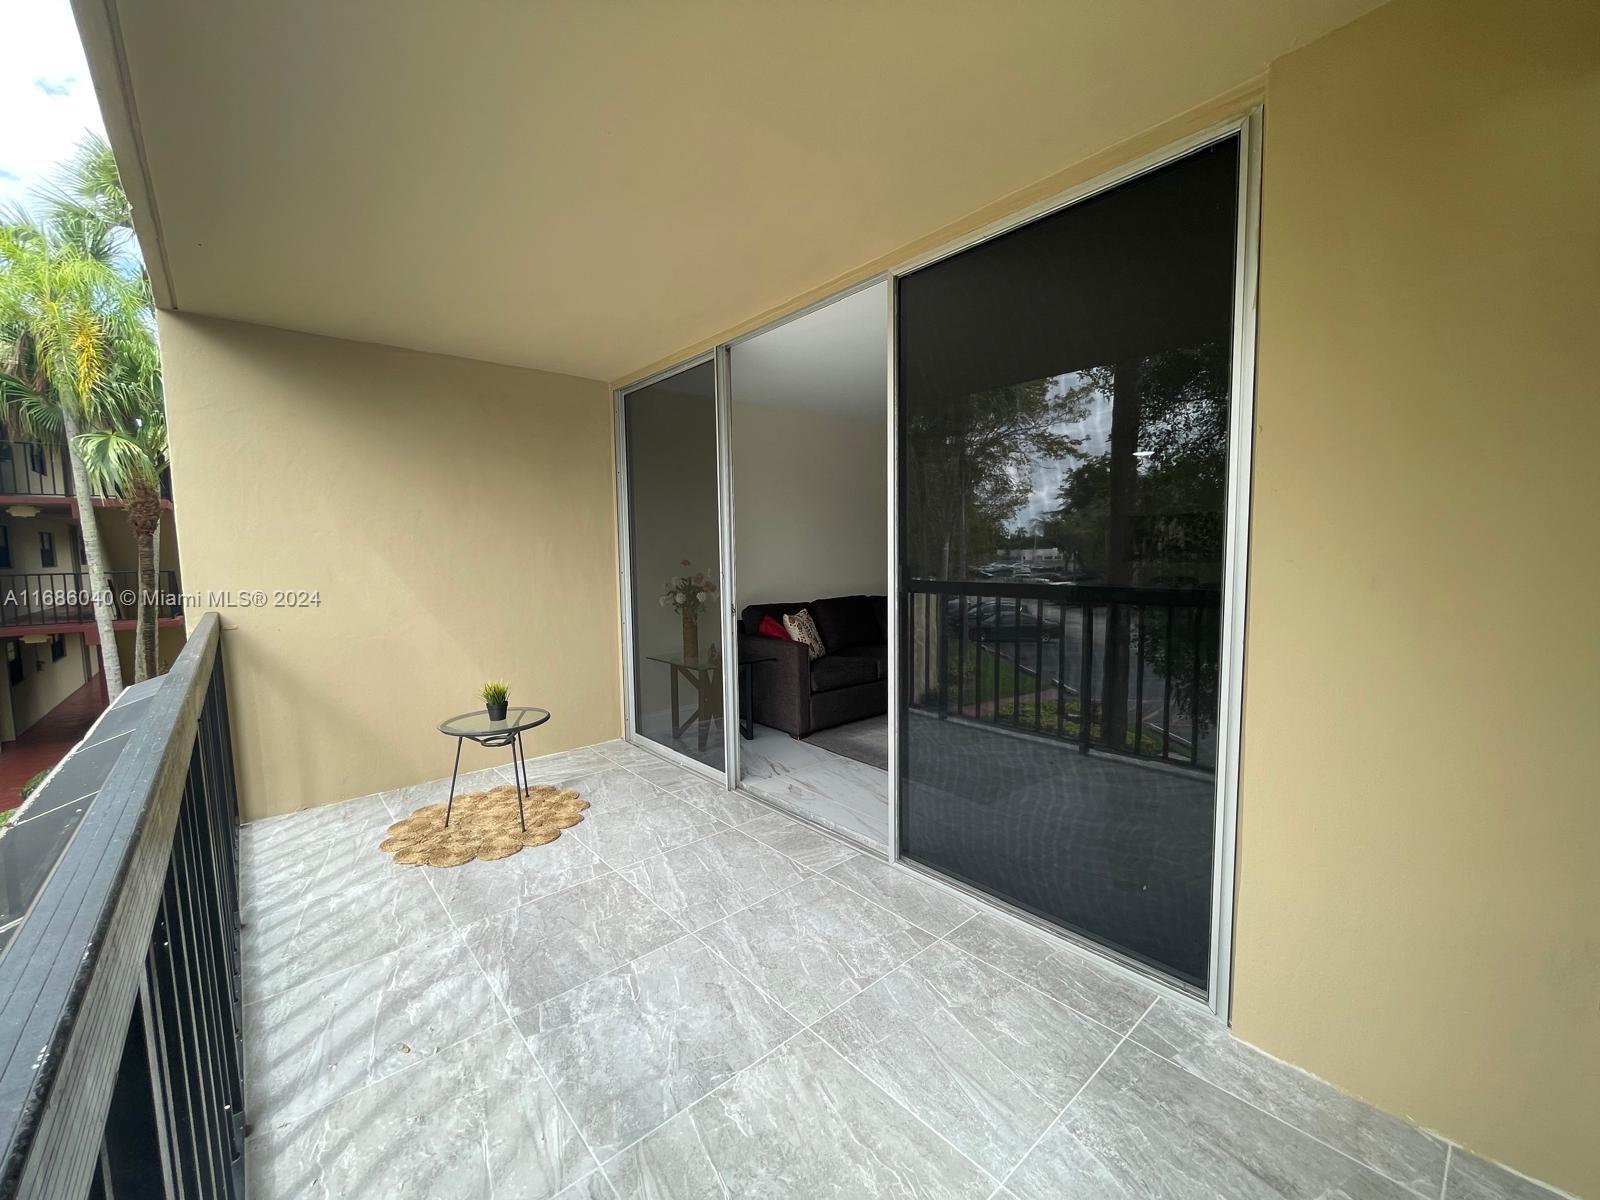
x=724, y=352
x=1247, y=127
x=625, y=575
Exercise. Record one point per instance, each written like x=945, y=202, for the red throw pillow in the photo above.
x=773, y=628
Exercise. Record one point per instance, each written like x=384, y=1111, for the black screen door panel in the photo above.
x=1063, y=441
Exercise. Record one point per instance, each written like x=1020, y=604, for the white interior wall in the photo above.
x=810, y=446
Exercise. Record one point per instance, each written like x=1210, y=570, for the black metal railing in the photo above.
x=1128, y=670
x=32, y=598
x=34, y=469
x=120, y=1036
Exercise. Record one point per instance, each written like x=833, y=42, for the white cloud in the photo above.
x=46, y=100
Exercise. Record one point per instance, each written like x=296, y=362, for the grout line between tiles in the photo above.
x=1057, y=1119
x=884, y=1092
x=1444, y=1181
x=517, y=1029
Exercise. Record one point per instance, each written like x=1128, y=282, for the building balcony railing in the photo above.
x=121, y=1065
x=34, y=469
x=41, y=470
x=35, y=598
x=1123, y=670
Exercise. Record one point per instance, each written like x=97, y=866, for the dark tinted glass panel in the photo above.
x=1064, y=451
x=672, y=501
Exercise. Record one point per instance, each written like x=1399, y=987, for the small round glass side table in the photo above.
x=486, y=731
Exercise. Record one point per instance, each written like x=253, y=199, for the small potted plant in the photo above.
x=494, y=699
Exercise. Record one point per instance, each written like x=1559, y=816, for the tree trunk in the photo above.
x=94, y=553
x=144, y=516
x=1124, y=492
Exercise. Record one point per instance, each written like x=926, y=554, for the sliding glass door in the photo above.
x=1064, y=414
x=675, y=630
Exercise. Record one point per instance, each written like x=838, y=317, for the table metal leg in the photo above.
x=521, y=779
x=454, y=771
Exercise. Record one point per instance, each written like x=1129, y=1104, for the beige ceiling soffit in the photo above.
x=1235, y=102
x=101, y=31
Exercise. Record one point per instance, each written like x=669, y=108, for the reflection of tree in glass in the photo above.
x=1147, y=512
x=1179, y=463
x=968, y=466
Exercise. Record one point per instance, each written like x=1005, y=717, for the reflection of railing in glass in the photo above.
x=1127, y=670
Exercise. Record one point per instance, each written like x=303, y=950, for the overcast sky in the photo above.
x=46, y=99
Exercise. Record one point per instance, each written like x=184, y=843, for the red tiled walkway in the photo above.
x=46, y=743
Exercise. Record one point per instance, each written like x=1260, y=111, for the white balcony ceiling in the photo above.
x=589, y=187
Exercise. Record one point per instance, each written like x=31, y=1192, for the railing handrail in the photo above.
x=1071, y=593
x=70, y=975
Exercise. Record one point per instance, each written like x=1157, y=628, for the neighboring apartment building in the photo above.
x=52, y=646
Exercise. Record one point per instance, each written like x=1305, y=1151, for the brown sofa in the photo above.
x=799, y=695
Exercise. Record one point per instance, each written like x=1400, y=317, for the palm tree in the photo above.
x=74, y=310
x=127, y=459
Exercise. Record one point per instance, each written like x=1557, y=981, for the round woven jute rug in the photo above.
x=483, y=825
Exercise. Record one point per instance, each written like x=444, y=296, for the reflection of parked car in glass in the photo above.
x=990, y=619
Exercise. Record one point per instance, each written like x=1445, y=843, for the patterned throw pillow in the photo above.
x=803, y=629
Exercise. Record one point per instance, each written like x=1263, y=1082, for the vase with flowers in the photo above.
x=686, y=595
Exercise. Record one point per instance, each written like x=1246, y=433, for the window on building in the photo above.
x=58, y=647
x=47, y=549
x=14, y=663
x=5, y=547
x=36, y=462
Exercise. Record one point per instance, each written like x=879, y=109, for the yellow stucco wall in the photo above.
x=457, y=519
x=1418, y=905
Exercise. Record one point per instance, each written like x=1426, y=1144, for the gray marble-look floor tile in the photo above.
x=540, y=949
x=623, y=836
x=924, y=904
x=592, y=1186
x=311, y=1044
x=483, y=887
x=717, y=875
x=627, y=754
x=1474, y=1178
x=1201, y=1044
x=1060, y=971
x=669, y=777
x=801, y=1123
x=357, y=908
x=281, y=856
x=979, y=1056
x=815, y=945
x=631, y=1048
x=585, y=760
x=812, y=850
x=726, y=806
x=614, y=788
x=1146, y=1128
x=477, y=1119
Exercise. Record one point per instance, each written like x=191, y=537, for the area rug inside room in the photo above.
x=866, y=741
x=483, y=825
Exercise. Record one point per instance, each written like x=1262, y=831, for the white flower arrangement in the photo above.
x=687, y=593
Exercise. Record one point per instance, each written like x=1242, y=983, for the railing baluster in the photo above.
x=1138, y=680
x=961, y=653
x=1038, y=665
x=1086, y=681
x=994, y=653
x=1166, y=690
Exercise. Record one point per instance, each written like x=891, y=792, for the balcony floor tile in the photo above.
x=478, y=1119
x=855, y=1033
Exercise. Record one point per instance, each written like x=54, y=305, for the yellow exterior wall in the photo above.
x=1419, y=896
x=457, y=519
